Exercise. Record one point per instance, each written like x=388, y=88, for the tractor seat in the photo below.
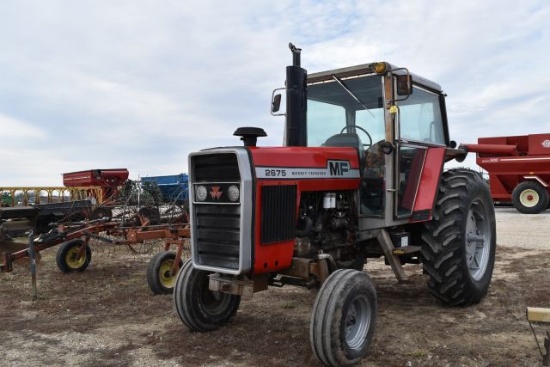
x=347, y=140
x=344, y=140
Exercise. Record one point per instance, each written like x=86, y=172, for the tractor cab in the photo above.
x=392, y=117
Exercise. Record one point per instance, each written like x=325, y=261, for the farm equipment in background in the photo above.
x=75, y=251
x=519, y=169
x=361, y=176
x=117, y=211
x=174, y=188
x=110, y=181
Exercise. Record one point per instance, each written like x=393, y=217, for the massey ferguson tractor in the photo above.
x=360, y=176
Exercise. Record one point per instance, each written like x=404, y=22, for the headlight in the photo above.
x=233, y=193
x=201, y=193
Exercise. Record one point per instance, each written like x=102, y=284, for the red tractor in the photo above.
x=360, y=176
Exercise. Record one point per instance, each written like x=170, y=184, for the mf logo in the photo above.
x=546, y=144
x=338, y=168
x=216, y=194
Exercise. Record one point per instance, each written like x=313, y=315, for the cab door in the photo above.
x=420, y=139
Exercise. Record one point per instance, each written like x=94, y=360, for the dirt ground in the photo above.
x=107, y=316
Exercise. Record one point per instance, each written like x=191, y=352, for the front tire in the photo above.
x=159, y=272
x=68, y=259
x=459, y=244
x=529, y=197
x=343, y=318
x=198, y=307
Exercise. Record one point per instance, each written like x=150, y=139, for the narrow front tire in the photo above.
x=197, y=306
x=343, y=318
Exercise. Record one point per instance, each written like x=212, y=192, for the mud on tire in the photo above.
x=458, y=245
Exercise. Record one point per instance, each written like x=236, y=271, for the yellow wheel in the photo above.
x=68, y=256
x=161, y=275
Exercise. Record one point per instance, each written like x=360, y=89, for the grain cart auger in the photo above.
x=360, y=176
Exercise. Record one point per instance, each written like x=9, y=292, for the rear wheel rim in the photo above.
x=478, y=239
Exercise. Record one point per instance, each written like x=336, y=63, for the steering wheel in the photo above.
x=366, y=146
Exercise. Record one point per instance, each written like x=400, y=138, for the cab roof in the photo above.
x=367, y=69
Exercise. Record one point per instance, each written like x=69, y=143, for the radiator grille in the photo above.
x=217, y=235
x=278, y=213
x=217, y=229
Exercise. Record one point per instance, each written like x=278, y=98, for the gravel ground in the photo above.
x=522, y=230
x=107, y=316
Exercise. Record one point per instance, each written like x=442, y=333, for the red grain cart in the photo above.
x=519, y=169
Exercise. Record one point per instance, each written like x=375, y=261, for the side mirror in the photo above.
x=276, y=103
x=404, y=85
x=276, y=98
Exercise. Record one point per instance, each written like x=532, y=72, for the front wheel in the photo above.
x=161, y=274
x=71, y=258
x=197, y=306
x=530, y=197
x=343, y=318
x=459, y=244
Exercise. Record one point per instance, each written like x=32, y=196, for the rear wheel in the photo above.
x=160, y=276
x=343, y=318
x=197, y=306
x=68, y=257
x=459, y=244
x=530, y=197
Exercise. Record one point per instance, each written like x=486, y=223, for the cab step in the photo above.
x=406, y=250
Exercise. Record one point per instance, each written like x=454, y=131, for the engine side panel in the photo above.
x=282, y=175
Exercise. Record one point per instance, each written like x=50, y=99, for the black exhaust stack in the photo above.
x=296, y=101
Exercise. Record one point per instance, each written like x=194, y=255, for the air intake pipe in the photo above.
x=296, y=101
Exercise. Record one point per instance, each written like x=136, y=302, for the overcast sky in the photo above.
x=141, y=84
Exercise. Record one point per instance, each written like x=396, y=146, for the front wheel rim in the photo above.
x=357, y=322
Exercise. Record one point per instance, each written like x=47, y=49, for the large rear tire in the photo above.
x=343, y=318
x=198, y=307
x=530, y=197
x=459, y=244
x=160, y=277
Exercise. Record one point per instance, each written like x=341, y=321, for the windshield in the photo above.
x=331, y=108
